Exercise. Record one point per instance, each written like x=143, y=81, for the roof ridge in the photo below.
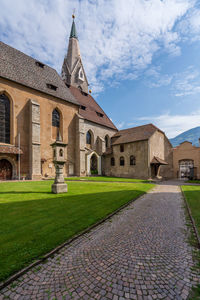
x=126, y=129
x=20, y=67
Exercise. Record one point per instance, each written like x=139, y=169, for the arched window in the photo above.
x=112, y=161
x=61, y=152
x=4, y=119
x=132, y=160
x=56, y=118
x=107, y=141
x=88, y=138
x=121, y=162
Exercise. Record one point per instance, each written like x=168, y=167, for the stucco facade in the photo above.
x=159, y=146
x=139, y=170
x=144, y=153
x=31, y=113
x=186, y=152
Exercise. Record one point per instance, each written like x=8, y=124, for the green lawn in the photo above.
x=192, y=194
x=33, y=221
x=106, y=178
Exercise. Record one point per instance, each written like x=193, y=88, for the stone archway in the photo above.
x=6, y=169
x=13, y=164
x=93, y=163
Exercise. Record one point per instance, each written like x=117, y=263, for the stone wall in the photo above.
x=139, y=170
x=20, y=97
x=98, y=141
x=34, y=140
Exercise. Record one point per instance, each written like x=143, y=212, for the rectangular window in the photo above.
x=121, y=148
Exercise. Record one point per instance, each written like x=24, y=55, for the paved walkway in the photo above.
x=141, y=253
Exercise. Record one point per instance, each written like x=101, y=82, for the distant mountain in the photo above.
x=191, y=135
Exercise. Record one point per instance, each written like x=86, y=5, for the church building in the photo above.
x=37, y=105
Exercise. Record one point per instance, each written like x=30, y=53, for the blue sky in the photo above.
x=142, y=57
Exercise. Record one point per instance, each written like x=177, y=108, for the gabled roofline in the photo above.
x=27, y=86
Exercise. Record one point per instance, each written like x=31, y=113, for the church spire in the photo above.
x=72, y=70
x=73, y=33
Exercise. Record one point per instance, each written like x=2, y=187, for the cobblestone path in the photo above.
x=141, y=253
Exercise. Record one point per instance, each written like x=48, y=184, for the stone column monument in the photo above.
x=59, y=161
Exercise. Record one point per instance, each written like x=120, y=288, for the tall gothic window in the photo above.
x=56, y=122
x=107, y=141
x=88, y=138
x=4, y=119
x=56, y=118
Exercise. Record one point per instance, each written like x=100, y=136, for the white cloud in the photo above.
x=172, y=125
x=186, y=83
x=116, y=37
x=181, y=84
x=155, y=79
x=189, y=27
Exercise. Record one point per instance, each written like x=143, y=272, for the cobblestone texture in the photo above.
x=141, y=253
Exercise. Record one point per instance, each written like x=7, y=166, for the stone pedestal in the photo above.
x=59, y=185
x=59, y=161
x=58, y=188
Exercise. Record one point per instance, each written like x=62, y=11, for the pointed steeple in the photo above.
x=73, y=33
x=72, y=70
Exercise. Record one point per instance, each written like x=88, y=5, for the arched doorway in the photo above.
x=93, y=164
x=186, y=168
x=5, y=170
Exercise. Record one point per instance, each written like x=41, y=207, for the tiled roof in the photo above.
x=108, y=151
x=134, y=134
x=21, y=68
x=10, y=149
x=93, y=112
x=159, y=161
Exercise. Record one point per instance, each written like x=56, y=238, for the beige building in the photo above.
x=186, y=161
x=37, y=105
x=139, y=152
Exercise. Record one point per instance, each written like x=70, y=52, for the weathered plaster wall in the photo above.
x=156, y=145
x=161, y=147
x=140, y=170
x=167, y=171
x=186, y=151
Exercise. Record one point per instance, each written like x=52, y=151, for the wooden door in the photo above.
x=5, y=170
